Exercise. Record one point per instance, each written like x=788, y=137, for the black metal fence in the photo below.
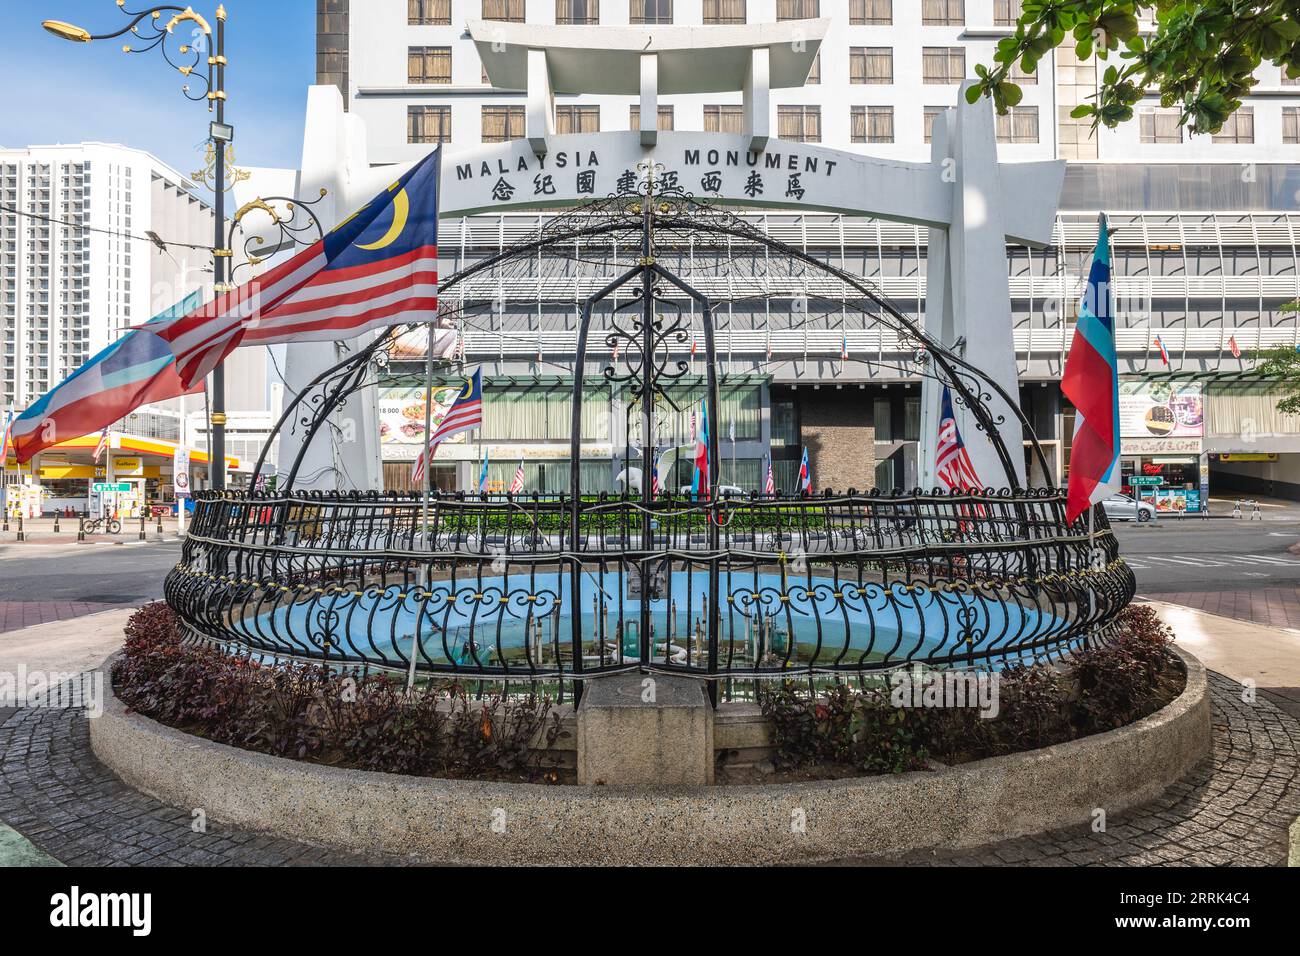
x=535, y=589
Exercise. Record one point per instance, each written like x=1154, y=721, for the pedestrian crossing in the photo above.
x=1148, y=562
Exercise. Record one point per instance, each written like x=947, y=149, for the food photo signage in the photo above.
x=401, y=415
x=1161, y=410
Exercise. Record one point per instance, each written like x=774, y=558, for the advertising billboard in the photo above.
x=1161, y=410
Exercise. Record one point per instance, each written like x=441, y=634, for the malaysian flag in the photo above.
x=466, y=413
x=102, y=447
x=805, y=473
x=517, y=485
x=654, y=473
x=379, y=267
x=952, y=462
x=769, y=483
x=1232, y=344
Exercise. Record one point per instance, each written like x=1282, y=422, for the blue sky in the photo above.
x=53, y=91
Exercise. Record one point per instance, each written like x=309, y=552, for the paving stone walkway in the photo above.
x=68, y=805
x=1276, y=607
x=16, y=615
x=1232, y=810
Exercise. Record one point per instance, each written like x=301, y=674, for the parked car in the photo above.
x=1120, y=508
x=723, y=490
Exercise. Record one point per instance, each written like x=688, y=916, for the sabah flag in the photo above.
x=1091, y=383
x=378, y=267
x=138, y=369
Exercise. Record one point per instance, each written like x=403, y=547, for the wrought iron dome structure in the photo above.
x=558, y=589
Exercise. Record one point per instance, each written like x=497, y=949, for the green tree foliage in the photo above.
x=1283, y=364
x=1200, y=57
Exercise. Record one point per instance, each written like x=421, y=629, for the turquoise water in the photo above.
x=489, y=618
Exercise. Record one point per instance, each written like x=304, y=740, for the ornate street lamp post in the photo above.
x=148, y=31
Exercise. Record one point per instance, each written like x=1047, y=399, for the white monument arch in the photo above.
x=971, y=203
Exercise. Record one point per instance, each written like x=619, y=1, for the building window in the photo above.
x=799, y=124
x=577, y=11
x=871, y=124
x=927, y=118
x=724, y=119
x=871, y=64
x=1238, y=128
x=577, y=119
x=943, y=64
x=1291, y=125
x=725, y=11
x=502, y=123
x=1018, y=125
x=665, y=120
x=815, y=71
x=512, y=10
x=1289, y=80
x=428, y=124
x=1006, y=13
x=943, y=13
x=1160, y=126
x=798, y=9
x=650, y=11
x=872, y=13
x=428, y=64
x=423, y=13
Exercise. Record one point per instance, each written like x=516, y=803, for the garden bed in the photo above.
x=368, y=722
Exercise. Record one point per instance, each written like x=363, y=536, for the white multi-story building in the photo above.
x=77, y=266
x=1206, y=227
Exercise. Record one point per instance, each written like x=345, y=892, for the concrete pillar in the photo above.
x=642, y=730
x=540, y=112
x=968, y=298
x=757, y=99
x=649, y=99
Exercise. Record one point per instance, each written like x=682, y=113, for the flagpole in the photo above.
x=428, y=428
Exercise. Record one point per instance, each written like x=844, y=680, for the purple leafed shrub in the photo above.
x=310, y=712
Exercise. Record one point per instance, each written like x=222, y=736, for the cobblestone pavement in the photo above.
x=55, y=793
x=16, y=615
x=1276, y=607
x=1234, y=809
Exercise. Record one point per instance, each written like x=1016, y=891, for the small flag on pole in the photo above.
x=517, y=485
x=702, y=480
x=483, y=475
x=102, y=447
x=769, y=483
x=844, y=347
x=805, y=473
x=769, y=346
x=1234, y=347
x=952, y=461
x=1164, y=353
x=466, y=413
x=4, y=436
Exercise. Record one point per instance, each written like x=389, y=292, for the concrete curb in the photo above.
x=478, y=822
